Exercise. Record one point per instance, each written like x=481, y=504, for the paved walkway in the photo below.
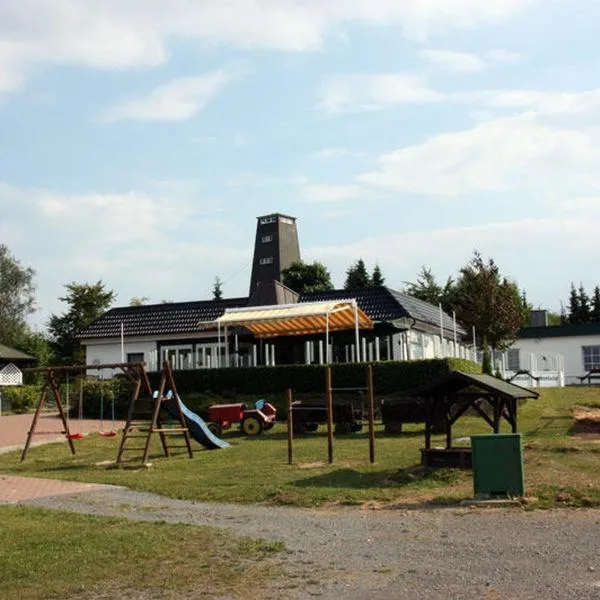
x=18, y=489
x=14, y=429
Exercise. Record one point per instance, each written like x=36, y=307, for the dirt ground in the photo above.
x=586, y=422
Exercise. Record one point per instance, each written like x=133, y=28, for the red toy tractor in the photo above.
x=253, y=421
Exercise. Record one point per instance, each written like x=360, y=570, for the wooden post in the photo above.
x=371, y=395
x=49, y=385
x=290, y=425
x=329, y=397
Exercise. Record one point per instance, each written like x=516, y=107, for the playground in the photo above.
x=374, y=531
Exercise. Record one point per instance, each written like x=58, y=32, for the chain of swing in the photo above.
x=77, y=435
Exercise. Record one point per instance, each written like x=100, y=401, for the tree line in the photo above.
x=480, y=297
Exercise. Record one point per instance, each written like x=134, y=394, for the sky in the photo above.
x=140, y=140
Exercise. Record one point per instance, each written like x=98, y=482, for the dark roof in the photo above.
x=385, y=304
x=567, y=330
x=159, y=319
x=379, y=304
x=457, y=381
x=11, y=354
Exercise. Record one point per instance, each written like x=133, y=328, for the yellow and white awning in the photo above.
x=297, y=319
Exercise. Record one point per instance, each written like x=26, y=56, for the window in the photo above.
x=591, y=357
x=135, y=357
x=267, y=220
x=265, y=239
x=513, y=359
x=267, y=260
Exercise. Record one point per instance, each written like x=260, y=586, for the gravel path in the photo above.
x=353, y=553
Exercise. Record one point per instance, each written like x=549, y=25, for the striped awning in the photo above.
x=297, y=319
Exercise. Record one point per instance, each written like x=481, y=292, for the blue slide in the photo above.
x=197, y=426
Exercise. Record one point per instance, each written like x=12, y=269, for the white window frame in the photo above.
x=265, y=260
x=265, y=239
x=590, y=356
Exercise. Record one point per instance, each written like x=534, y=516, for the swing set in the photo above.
x=55, y=376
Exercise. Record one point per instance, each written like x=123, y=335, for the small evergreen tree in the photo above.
x=377, y=278
x=574, y=306
x=595, y=314
x=357, y=277
x=217, y=291
x=584, y=305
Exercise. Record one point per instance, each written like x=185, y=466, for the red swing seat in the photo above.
x=107, y=433
x=74, y=436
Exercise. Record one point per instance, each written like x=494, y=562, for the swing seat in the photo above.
x=107, y=433
x=74, y=436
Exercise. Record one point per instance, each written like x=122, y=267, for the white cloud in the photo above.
x=325, y=193
x=566, y=247
x=177, y=100
x=137, y=33
x=504, y=56
x=466, y=62
x=139, y=244
x=330, y=153
x=461, y=62
x=553, y=144
x=372, y=92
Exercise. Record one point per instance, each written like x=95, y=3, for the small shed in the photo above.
x=451, y=397
x=11, y=363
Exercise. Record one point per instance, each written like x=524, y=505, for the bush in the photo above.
x=21, y=398
x=98, y=396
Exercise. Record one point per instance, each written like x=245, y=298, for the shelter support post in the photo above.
x=290, y=431
x=329, y=396
x=371, y=395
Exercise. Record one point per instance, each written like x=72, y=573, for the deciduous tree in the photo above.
x=17, y=297
x=486, y=300
x=86, y=302
x=306, y=278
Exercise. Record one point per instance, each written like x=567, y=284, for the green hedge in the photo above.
x=20, y=398
x=388, y=377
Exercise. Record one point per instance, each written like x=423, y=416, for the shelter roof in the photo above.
x=11, y=354
x=458, y=381
x=297, y=319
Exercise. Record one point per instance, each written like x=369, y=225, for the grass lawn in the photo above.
x=49, y=554
x=560, y=469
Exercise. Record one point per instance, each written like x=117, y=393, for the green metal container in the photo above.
x=497, y=464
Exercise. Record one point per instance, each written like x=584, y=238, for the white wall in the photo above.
x=110, y=351
x=570, y=347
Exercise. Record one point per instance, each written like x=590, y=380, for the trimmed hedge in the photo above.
x=388, y=377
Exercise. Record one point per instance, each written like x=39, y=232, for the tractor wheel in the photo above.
x=215, y=428
x=269, y=425
x=252, y=426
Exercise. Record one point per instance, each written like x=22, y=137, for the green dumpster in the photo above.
x=497, y=464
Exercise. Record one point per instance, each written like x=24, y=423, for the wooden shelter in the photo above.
x=448, y=399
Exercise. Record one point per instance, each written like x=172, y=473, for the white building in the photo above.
x=577, y=344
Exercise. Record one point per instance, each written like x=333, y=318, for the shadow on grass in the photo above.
x=555, y=423
x=415, y=475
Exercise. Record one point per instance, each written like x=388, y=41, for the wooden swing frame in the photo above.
x=135, y=372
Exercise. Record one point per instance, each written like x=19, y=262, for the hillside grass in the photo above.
x=560, y=469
